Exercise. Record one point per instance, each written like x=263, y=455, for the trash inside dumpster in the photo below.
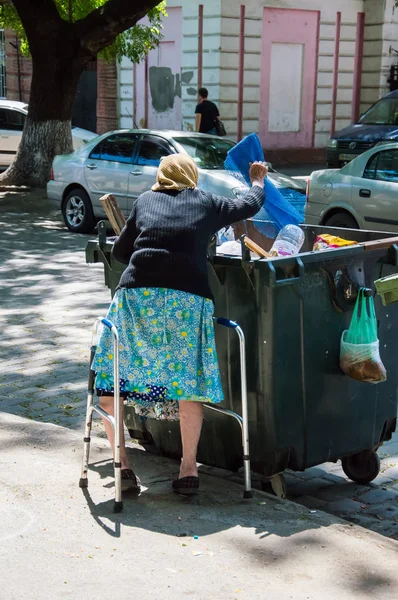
x=303, y=409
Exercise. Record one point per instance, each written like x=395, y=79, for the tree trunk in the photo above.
x=60, y=50
x=47, y=130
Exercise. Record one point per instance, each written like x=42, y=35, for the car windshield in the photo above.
x=385, y=112
x=208, y=153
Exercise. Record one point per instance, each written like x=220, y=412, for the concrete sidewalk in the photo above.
x=56, y=541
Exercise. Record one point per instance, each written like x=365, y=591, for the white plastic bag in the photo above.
x=230, y=248
x=226, y=234
x=362, y=361
x=233, y=249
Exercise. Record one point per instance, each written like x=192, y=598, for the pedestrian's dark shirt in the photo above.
x=209, y=112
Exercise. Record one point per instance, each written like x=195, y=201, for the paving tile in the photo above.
x=312, y=473
x=345, y=490
x=389, y=448
x=16, y=409
x=37, y=405
x=377, y=496
x=309, y=488
x=10, y=390
x=51, y=410
x=334, y=478
x=7, y=402
x=365, y=520
x=343, y=506
x=309, y=501
x=381, y=481
x=386, y=510
x=391, y=472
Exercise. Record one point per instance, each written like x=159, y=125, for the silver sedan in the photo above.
x=363, y=194
x=124, y=163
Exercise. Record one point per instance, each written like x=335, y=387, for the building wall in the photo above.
x=107, y=97
x=252, y=71
x=18, y=70
x=221, y=28
x=381, y=37
x=189, y=63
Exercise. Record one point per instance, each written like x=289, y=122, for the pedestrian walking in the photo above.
x=163, y=308
x=206, y=114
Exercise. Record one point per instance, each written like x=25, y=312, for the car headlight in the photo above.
x=332, y=144
x=239, y=192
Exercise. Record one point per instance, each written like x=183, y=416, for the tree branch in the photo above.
x=41, y=21
x=101, y=27
x=35, y=13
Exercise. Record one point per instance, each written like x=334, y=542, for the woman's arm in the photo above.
x=124, y=245
x=230, y=210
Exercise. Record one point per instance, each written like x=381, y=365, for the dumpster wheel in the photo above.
x=275, y=485
x=362, y=467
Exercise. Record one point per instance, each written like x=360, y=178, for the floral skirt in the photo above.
x=167, y=351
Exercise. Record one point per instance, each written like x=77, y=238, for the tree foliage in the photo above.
x=62, y=36
x=134, y=43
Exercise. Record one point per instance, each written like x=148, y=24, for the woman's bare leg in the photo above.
x=107, y=403
x=191, y=418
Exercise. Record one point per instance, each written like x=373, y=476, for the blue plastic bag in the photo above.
x=277, y=208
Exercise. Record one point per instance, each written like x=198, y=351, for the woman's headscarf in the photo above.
x=176, y=172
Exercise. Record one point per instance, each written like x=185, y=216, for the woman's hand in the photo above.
x=257, y=172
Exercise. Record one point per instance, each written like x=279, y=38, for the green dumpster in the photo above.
x=303, y=410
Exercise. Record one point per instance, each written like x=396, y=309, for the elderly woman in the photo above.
x=163, y=307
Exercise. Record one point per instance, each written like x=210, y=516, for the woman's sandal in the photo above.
x=186, y=486
x=130, y=481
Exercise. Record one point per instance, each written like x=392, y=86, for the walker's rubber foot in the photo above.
x=247, y=494
x=83, y=482
x=117, y=507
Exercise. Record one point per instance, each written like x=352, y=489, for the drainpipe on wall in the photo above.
x=16, y=47
x=360, y=35
x=335, y=73
x=146, y=114
x=200, y=46
x=135, y=96
x=241, y=71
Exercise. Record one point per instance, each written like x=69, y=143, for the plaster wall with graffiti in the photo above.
x=292, y=71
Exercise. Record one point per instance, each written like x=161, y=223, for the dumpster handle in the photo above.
x=274, y=282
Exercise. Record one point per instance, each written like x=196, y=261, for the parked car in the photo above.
x=12, y=121
x=378, y=124
x=363, y=194
x=125, y=163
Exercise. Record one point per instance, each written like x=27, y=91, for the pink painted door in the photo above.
x=164, y=78
x=288, y=77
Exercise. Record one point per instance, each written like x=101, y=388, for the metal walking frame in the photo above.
x=113, y=420
x=244, y=419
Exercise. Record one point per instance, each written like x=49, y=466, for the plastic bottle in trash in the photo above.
x=289, y=241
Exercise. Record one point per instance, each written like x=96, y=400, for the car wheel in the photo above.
x=342, y=219
x=78, y=212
